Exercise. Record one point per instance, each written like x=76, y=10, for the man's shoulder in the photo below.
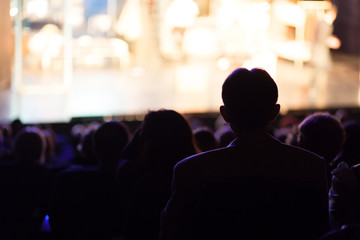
x=202, y=158
x=278, y=149
x=301, y=153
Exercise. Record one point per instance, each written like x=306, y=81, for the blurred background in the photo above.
x=62, y=59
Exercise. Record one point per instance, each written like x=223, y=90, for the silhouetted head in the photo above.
x=86, y=148
x=16, y=127
x=323, y=134
x=166, y=129
x=205, y=139
x=351, y=147
x=29, y=146
x=109, y=141
x=250, y=99
x=164, y=138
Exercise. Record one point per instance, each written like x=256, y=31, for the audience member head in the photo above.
x=164, y=138
x=224, y=135
x=77, y=131
x=29, y=146
x=286, y=130
x=86, y=149
x=50, y=138
x=16, y=126
x=323, y=134
x=168, y=132
x=351, y=147
x=344, y=115
x=205, y=139
x=250, y=100
x=109, y=140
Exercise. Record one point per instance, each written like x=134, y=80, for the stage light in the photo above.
x=200, y=42
x=37, y=8
x=181, y=13
x=137, y=71
x=289, y=13
x=13, y=11
x=129, y=23
x=266, y=60
x=223, y=63
x=191, y=79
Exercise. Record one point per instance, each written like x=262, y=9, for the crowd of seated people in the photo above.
x=103, y=181
x=111, y=180
x=81, y=202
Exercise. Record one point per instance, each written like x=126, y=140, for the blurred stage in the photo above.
x=136, y=56
x=188, y=87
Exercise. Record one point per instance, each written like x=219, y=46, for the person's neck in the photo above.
x=256, y=134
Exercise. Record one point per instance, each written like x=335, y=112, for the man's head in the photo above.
x=249, y=99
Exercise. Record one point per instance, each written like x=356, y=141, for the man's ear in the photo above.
x=224, y=113
x=275, y=112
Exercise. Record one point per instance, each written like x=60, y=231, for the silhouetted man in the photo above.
x=257, y=187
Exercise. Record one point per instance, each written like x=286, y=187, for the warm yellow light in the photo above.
x=256, y=16
x=46, y=45
x=294, y=50
x=333, y=42
x=181, y=13
x=317, y=5
x=129, y=23
x=37, y=8
x=100, y=22
x=289, y=13
x=191, y=79
x=200, y=42
x=14, y=11
x=84, y=41
x=223, y=63
x=266, y=60
x=250, y=16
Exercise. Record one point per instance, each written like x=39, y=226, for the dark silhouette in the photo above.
x=145, y=173
x=109, y=141
x=29, y=147
x=323, y=134
x=82, y=202
x=256, y=188
x=16, y=126
x=351, y=149
x=344, y=195
x=22, y=182
x=346, y=232
x=224, y=136
x=85, y=148
x=205, y=139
